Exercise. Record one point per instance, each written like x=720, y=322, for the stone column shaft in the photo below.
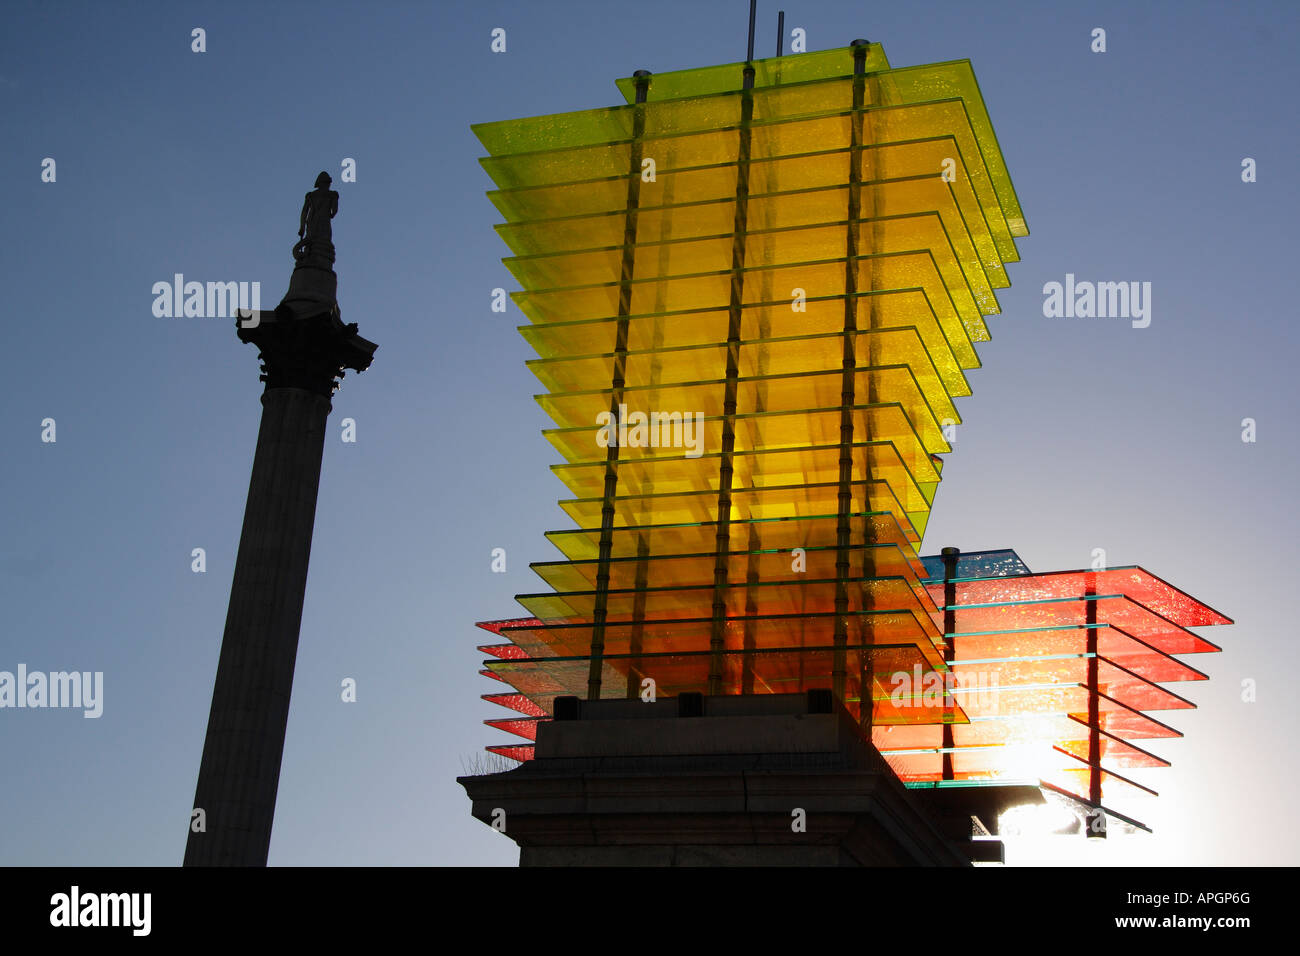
x=240, y=770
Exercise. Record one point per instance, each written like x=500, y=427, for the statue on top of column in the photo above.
x=318, y=207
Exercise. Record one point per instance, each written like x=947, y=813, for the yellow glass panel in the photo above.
x=899, y=180
x=911, y=476
x=918, y=84
x=821, y=315
x=962, y=272
x=882, y=272
x=775, y=393
x=810, y=356
x=767, y=502
x=661, y=434
x=892, y=555
x=770, y=71
x=899, y=142
x=582, y=544
x=758, y=597
x=687, y=635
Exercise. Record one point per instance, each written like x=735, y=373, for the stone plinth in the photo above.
x=751, y=781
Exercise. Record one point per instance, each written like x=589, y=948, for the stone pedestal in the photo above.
x=763, y=780
x=313, y=287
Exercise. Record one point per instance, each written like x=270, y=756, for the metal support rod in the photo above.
x=753, y=9
x=735, y=308
x=950, y=558
x=780, y=33
x=1094, y=702
x=637, y=637
x=601, y=605
x=843, y=530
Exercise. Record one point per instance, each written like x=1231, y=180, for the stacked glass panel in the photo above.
x=754, y=291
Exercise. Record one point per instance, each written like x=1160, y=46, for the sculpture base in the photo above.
x=763, y=780
x=313, y=287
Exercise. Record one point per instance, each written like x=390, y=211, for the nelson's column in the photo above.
x=304, y=346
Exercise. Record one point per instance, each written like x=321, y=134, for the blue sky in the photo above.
x=1081, y=433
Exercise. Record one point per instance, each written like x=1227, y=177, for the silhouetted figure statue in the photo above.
x=318, y=207
x=313, y=284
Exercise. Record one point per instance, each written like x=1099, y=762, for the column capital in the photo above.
x=308, y=352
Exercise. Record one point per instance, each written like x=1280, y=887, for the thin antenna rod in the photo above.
x=780, y=33
x=753, y=8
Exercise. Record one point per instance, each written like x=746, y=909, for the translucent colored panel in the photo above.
x=495, y=626
x=783, y=156
x=760, y=672
x=520, y=753
x=1050, y=698
x=905, y=223
x=898, y=180
x=596, y=338
x=525, y=727
x=1050, y=728
x=778, y=429
x=1128, y=615
x=890, y=556
x=979, y=564
x=1041, y=675
x=948, y=118
x=768, y=395
x=784, y=533
x=1114, y=752
x=516, y=702
x=1040, y=684
x=758, y=597
x=884, y=272
x=773, y=71
x=918, y=85
x=1112, y=643
x=1135, y=582
x=503, y=651
x=911, y=479
x=775, y=502
x=606, y=160
x=1001, y=760
x=798, y=227
x=1114, y=787
x=698, y=200
x=556, y=131
x=682, y=239
x=692, y=636
x=942, y=80
x=765, y=357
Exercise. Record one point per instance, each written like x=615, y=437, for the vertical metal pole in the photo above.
x=636, y=639
x=780, y=33
x=735, y=307
x=601, y=608
x=849, y=363
x=753, y=9
x=1094, y=702
x=950, y=557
